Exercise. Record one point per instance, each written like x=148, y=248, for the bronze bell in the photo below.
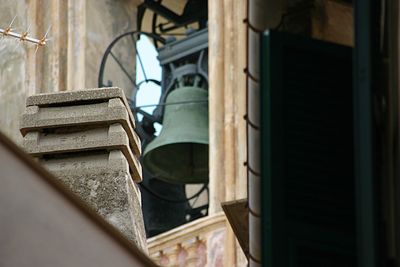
x=180, y=153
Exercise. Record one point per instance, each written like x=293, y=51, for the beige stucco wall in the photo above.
x=105, y=20
x=227, y=108
x=79, y=34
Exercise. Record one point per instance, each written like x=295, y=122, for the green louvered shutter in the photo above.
x=308, y=201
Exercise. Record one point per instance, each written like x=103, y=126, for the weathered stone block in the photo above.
x=87, y=96
x=67, y=139
x=37, y=118
x=103, y=181
x=78, y=97
x=86, y=139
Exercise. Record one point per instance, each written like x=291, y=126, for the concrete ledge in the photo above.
x=37, y=118
x=86, y=163
x=88, y=96
x=107, y=137
x=112, y=137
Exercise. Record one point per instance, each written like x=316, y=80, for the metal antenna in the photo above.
x=43, y=40
x=24, y=37
x=12, y=21
x=8, y=29
x=47, y=32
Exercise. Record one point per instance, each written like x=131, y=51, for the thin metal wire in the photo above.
x=251, y=26
x=249, y=122
x=255, y=214
x=250, y=169
x=254, y=259
x=251, y=76
x=100, y=81
x=134, y=39
x=122, y=67
x=174, y=34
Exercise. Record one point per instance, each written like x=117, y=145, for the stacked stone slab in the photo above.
x=87, y=140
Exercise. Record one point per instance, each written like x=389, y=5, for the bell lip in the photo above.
x=189, y=87
x=157, y=172
x=154, y=144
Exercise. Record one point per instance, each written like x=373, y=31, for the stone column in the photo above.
x=86, y=139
